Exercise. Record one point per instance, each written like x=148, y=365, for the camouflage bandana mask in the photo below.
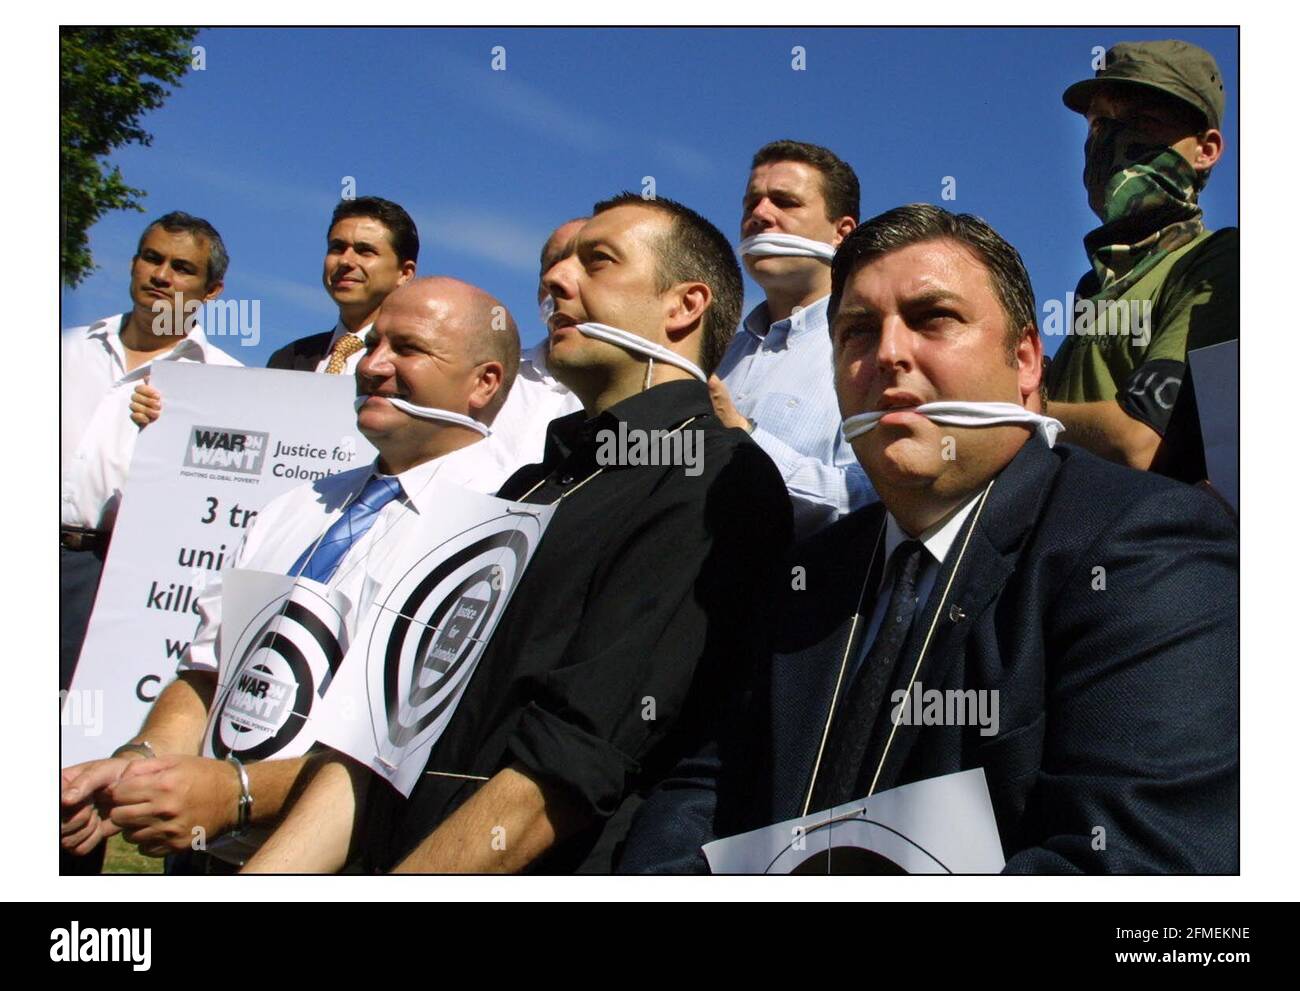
x=1145, y=196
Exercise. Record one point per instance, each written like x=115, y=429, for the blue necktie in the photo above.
x=321, y=562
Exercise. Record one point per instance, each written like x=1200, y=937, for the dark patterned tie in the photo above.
x=852, y=725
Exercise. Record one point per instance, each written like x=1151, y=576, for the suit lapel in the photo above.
x=315, y=349
x=977, y=567
x=807, y=675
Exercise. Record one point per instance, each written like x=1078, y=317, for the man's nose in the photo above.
x=894, y=349
x=558, y=280
x=375, y=363
x=760, y=218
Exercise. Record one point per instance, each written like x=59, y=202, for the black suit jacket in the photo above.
x=1099, y=602
x=304, y=354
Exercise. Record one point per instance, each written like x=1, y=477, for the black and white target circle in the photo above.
x=855, y=846
x=286, y=656
x=433, y=625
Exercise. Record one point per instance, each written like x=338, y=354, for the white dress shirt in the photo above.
x=292, y=522
x=96, y=435
x=535, y=399
x=780, y=376
x=937, y=541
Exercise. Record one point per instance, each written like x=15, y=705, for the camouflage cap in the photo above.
x=1177, y=68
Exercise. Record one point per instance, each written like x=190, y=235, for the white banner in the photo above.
x=942, y=825
x=229, y=441
x=424, y=630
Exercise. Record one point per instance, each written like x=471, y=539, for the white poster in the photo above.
x=229, y=441
x=282, y=641
x=942, y=825
x=1215, y=378
x=425, y=628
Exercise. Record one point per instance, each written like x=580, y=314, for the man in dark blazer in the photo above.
x=1095, y=605
x=371, y=248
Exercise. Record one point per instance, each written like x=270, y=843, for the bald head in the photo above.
x=556, y=248
x=463, y=320
x=438, y=343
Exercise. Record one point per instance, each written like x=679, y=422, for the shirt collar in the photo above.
x=660, y=407
x=457, y=467
x=109, y=330
x=340, y=330
x=812, y=318
x=939, y=538
x=532, y=363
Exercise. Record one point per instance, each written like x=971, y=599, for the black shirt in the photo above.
x=632, y=630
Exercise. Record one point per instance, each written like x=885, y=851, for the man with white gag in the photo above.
x=1092, y=607
x=800, y=203
x=437, y=356
x=626, y=638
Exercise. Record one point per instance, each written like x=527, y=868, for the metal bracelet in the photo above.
x=245, y=811
x=142, y=748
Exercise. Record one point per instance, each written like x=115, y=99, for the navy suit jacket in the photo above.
x=302, y=355
x=1099, y=602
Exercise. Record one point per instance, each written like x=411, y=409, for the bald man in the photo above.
x=537, y=397
x=439, y=344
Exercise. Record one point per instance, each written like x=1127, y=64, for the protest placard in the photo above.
x=229, y=441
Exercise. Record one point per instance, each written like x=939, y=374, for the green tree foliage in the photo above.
x=108, y=79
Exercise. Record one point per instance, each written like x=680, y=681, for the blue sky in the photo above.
x=487, y=162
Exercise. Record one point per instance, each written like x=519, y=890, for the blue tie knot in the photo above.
x=321, y=560
x=379, y=492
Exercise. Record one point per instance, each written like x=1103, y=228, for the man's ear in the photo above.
x=491, y=375
x=1029, y=365
x=408, y=272
x=688, y=302
x=1209, y=149
x=214, y=290
x=843, y=228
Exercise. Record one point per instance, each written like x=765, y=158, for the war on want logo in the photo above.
x=287, y=655
x=104, y=945
x=227, y=449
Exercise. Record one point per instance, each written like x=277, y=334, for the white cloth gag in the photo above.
x=785, y=246
x=956, y=413
x=429, y=413
x=639, y=345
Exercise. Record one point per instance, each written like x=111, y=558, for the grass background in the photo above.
x=122, y=858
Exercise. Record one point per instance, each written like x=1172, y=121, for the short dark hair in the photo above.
x=402, y=234
x=918, y=222
x=693, y=250
x=840, y=187
x=178, y=222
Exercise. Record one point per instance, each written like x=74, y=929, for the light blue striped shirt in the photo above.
x=781, y=377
